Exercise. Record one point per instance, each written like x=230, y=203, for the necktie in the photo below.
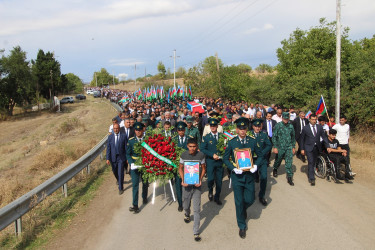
x=269, y=129
x=181, y=140
x=314, y=130
x=116, y=140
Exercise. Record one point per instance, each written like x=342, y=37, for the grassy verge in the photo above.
x=55, y=212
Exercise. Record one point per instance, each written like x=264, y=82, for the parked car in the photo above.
x=97, y=94
x=89, y=92
x=67, y=99
x=80, y=97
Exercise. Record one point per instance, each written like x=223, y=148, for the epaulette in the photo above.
x=191, y=136
x=131, y=138
x=251, y=136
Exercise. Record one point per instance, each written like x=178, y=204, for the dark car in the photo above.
x=80, y=97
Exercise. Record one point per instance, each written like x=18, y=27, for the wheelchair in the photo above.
x=325, y=168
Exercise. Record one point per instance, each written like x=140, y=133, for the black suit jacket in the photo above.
x=121, y=147
x=265, y=124
x=308, y=140
x=131, y=132
x=297, y=126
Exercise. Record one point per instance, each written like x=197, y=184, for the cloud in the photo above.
x=125, y=62
x=122, y=76
x=40, y=17
x=266, y=26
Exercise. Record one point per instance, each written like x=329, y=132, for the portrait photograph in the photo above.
x=244, y=159
x=191, y=172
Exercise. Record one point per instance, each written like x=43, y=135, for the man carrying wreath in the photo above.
x=242, y=181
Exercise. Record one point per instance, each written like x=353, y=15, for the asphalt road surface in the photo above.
x=326, y=216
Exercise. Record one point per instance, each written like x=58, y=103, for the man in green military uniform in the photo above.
x=242, y=181
x=229, y=121
x=181, y=140
x=284, y=144
x=265, y=145
x=134, y=173
x=213, y=162
x=191, y=130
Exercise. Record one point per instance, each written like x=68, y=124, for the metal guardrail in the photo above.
x=16, y=209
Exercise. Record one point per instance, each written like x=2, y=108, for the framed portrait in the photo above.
x=244, y=159
x=191, y=172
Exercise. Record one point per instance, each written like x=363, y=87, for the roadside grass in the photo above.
x=362, y=145
x=55, y=212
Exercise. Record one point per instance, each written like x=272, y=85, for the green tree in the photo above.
x=102, y=78
x=244, y=68
x=161, y=70
x=74, y=83
x=264, y=68
x=47, y=71
x=15, y=79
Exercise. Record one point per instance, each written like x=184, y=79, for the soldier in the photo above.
x=242, y=181
x=265, y=147
x=284, y=143
x=213, y=162
x=191, y=130
x=229, y=121
x=134, y=173
x=181, y=140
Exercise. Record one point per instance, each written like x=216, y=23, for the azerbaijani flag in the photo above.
x=307, y=116
x=228, y=135
x=195, y=107
x=321, y=109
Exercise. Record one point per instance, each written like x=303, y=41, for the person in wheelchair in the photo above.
x=337, y=155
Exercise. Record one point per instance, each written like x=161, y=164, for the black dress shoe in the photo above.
x=180, y=208
x=134, y=209
x=210, y=196
x=218, y=202
x=145, y=201
x=290, y=181
x=120, y=192
x=275, y=173
x=263, y=201
x=312, y=182
x=242, y=233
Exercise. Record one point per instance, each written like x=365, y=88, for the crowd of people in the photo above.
x=283, y=131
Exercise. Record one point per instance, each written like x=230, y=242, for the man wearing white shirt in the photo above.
x=343, y=134
x=277, y=117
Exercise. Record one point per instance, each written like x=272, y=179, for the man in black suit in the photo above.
x=298, y=124
x=268, y=126
x=116, y=155
x=311, y=146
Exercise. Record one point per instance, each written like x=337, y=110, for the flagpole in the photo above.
x=325, y=107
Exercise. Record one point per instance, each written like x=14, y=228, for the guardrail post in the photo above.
x=88, y=169
x=65, y=189
x=18, y=226
x=101, y=156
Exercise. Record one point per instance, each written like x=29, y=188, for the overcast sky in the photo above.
x=88, y=35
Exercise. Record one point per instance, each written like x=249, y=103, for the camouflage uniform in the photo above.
x=283, y=138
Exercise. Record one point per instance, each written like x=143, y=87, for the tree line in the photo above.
x=306, y=70
x=24, y=82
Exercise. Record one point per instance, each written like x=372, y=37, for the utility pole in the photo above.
x=135, y=74
x=218, y=72
x=338, y=59
x=174, y=68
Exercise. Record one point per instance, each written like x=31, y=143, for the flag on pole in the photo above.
x=321, y=109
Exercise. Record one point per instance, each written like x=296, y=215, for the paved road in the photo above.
x=327, y=216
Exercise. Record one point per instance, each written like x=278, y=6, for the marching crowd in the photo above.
x=283, y=131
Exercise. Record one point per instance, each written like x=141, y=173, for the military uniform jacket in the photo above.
x=131, y=156
x=283, y=136
x=209, y=148
x=193, y=132
x=176, y=139
x=234, y=144
x=263, y=143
